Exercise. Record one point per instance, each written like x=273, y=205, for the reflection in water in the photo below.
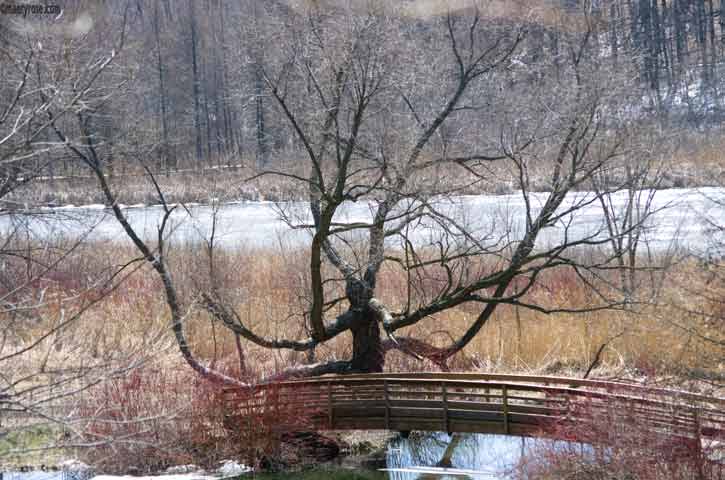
x=447, y=458
x=52, y=475
x=489, y=456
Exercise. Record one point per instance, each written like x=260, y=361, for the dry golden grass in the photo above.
x=697, y=159
x=270, y=292
x=694, y=159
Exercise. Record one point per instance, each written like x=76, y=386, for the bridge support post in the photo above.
x=505, y=399
x=330, y=411
x=446, y=425
x=387, y=404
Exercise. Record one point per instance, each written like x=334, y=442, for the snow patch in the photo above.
x=182, y=476
x=231, y=468
x=72, y=465
x=181, y=469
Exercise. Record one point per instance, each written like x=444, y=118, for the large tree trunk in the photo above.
x=367, y=348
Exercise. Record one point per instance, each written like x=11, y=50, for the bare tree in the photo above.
x=380, y=126
x=44, y=361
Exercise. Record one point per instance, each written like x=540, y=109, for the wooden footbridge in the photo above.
x=482, y=403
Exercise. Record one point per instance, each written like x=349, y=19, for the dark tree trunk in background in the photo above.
x=701, y=26
x=259, y=117
x=195, y=79
x=216, y=82
x=680, y=35
x=646, y=42
x=660, y=19
x=614, y=19
x=713, y=41
x=226, y=142
x=722, y=23
x=259, y=87
x=168, y=161
x=207, y=123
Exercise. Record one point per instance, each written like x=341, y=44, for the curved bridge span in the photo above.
x=481, y=403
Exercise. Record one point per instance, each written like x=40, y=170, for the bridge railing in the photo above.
x=507, y=404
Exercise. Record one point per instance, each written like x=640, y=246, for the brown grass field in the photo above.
x=678, y=333
x=693, y=160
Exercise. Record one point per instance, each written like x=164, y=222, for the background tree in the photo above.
x=376, y=125
x=49, y=353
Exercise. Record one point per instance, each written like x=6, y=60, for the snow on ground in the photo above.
x=230, y=468
x=75, y=470
x=682, y=217
x=178, y=476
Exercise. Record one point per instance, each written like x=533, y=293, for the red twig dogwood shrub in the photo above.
x=154, y=418
x=275, y=424
x=625, y=437
x=136, y=422
x=151, y=419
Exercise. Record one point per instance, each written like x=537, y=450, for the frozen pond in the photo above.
x=681, y=218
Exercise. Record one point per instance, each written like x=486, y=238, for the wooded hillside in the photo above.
x=193, y=72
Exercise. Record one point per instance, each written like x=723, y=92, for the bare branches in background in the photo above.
x=371, y=135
